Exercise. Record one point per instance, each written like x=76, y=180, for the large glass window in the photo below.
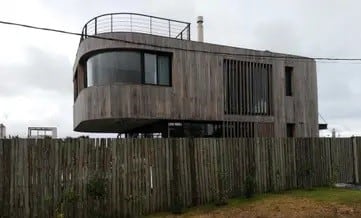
x=128, y=67
x=163, y=70
x=111, y=67
x=150, y=68
x=157, y=69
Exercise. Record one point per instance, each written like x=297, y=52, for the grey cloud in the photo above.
x=308, y=27
x=279, y=36
x=39, y=70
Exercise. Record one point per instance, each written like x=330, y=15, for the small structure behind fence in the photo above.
x=131, y=177
x=2, y=131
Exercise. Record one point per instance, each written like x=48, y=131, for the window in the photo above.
x=164, y=70
x=290, y=130
x=128, y=67
x=112, y=67
x=75, y=85
x=288, y=80
x=150, y=68
x=156, y=69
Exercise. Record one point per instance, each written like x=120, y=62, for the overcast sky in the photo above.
x=36, y=66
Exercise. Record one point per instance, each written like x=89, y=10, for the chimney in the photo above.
x=200, y=28
x=333, y=133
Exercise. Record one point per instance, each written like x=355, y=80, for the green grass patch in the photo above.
x=207, y=208
x=336, y=195
x=328, y=195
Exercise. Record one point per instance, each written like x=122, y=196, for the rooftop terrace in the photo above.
x=139, y=23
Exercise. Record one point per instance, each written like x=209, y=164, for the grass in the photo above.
x=326, y=202
x=330, y=195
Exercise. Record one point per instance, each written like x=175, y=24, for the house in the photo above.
x=143, y=76
x=42, y=132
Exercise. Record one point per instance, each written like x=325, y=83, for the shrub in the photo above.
x=68, y=198
x=96, y=188
x=223, y=188
x=177, y=208
x=250, y=187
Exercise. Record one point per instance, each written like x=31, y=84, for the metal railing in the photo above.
x=140, y=23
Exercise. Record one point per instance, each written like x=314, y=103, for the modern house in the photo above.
x=144, y=76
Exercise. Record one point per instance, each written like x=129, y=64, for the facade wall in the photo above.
x=197, y=91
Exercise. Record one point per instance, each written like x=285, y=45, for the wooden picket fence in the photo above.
x=133, y=177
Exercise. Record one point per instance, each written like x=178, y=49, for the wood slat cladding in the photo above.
x=247, y=88
x=264, y=129
x=80, y=80
x=247, y=129
x=238, y=129
x=198, y=88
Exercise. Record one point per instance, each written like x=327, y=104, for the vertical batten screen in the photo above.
x=247, y=87
x=238, y=129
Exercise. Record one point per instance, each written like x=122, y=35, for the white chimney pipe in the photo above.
x=200, y=28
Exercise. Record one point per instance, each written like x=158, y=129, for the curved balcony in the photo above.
x=139, y=23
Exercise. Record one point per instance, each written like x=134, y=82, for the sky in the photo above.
x=36, y=66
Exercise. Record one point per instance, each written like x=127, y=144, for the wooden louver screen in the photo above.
x=247, y=88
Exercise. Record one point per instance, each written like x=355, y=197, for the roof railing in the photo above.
x=139, y=23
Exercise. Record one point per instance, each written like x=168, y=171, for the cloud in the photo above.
x=39, y=78
x=37, y=91
x=39, y=70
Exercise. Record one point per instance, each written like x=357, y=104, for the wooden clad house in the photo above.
x=143, y=76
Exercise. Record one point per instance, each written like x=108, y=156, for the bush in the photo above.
x=68, y=198
x=222, y=197
x=250, y=187
x=177, y=208
x=96, y=188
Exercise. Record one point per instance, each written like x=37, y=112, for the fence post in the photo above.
x=176, y=203
x=355, y=159
x=194, y=188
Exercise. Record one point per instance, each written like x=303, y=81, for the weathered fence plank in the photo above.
x=42, y=178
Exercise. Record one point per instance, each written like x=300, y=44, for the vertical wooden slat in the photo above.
x=32, y=170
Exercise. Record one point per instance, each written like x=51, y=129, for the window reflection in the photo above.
x=112, y=67
x=126, y=66
x=163, y=70
x=150, y=68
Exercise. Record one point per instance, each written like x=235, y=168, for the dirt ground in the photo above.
x=284, y=207
x=280, y=206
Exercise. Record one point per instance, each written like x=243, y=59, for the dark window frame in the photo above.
x=157, y=54
x=290, y=130
x=142, y=67
x=288, y=80
x=75, y=84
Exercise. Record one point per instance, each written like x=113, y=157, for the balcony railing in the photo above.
x=140, y=23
